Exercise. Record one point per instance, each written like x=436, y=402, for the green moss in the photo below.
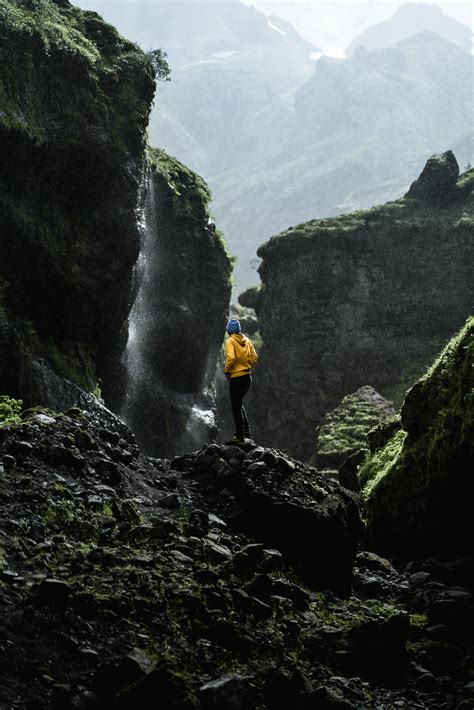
x=73, y=360
x=10, y=411
x=380, y=463
x=188, y=194
x=344, y=430
x=60, y=514
x=54, y=28
x=424, y=470
x=33, y=411
x=418, y=621
x=352, y=613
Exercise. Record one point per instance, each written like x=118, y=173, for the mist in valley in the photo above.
x=289, y=125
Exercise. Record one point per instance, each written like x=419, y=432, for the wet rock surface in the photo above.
x=113, y=597
x=170, y=402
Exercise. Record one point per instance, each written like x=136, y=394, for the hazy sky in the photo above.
x=332, y=25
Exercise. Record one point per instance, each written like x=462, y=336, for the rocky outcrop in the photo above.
x=344, y=430
x=437, y=182
x=127, y=578
x=75, y=100
x=367, y=298
x=178, y=320
x=284, y=505
x=92, y=225
x=417, y=480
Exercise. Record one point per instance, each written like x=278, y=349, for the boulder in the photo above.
x=312, y=521
x=344, y=430
x=437, y=181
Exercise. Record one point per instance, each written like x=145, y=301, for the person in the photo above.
x=240, y=357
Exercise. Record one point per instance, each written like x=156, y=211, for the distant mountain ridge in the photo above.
x=409, y=19
x=352, y=137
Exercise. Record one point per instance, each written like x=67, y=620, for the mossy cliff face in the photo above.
x=418, y=484
x=178, y=320
x=75, y=99
x=344, y=430
x=366, y=298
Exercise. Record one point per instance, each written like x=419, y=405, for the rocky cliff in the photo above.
x=75, y=100
x=367, y=298
x=84, y=209
x=178, y=320
x=417, y=481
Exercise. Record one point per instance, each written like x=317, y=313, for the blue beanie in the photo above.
x=233, y=326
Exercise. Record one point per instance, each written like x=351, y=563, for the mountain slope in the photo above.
x=352, y=137
x=228, y=63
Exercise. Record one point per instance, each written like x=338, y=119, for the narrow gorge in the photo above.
x=143, y=561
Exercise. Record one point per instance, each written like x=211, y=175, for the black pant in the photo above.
x=238, y=387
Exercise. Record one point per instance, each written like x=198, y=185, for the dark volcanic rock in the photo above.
x=418, y=483
x=370, y=298
x=75, y=105
x=111, y=600
x=314, y=522
x=437, y=182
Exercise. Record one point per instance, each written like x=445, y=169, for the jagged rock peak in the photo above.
x=437, y=179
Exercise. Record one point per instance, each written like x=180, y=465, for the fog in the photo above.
x=332, y=25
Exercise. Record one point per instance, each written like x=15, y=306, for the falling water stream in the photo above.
x=162, y=419
x=141, y=317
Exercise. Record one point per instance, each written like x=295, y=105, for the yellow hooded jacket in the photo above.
x=240, y=355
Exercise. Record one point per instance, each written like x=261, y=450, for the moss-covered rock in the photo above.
x=10, y=411
x=179, y=314
x=418, y=485
x=344, y=430
x=365, y=298
x=75, y=99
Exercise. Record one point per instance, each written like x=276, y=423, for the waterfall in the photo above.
x=141, y=316
x=168, y=409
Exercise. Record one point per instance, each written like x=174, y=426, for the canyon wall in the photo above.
x=368, y=298
x=81, y=202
